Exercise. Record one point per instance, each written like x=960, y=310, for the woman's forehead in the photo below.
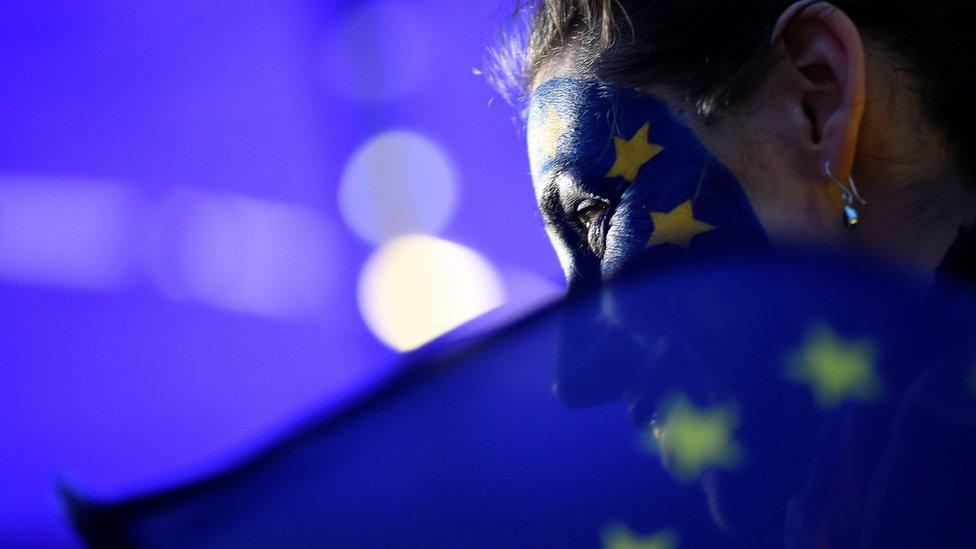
x=579, y=97
x=573, y=122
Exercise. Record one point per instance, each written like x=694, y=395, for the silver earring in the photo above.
x=850, y=194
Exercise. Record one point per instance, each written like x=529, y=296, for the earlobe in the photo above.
x=825, y=48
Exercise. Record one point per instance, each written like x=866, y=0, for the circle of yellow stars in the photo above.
x=693, y=439
x=834, y=368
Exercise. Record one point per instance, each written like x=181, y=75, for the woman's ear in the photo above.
x=828, y=65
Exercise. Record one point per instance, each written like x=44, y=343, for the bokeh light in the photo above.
x=416, y=287
x=397, y=183
x=66, y=232
x=243, y=254
x=377, y=51
x=171, y=240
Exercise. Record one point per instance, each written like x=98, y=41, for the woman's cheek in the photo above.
x=563, y=253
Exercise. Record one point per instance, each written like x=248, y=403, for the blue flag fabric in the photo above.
x=799, y=400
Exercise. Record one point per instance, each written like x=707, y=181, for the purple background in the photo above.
x=131, y=133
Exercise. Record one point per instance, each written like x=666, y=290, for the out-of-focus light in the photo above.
x=397, y=183
x=243, y=254
x=66, y=232
x=415, y=288
x=378, y=50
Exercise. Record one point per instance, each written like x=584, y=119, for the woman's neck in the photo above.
x=919, y=220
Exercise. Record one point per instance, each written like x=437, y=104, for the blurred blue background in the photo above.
x=218, y=218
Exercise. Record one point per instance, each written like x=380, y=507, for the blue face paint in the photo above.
x=618, y=176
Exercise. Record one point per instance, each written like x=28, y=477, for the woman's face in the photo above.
x=618, y=175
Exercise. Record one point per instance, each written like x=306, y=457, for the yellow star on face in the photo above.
x=692, y=439
x=835, y=369
x=633, y=153
x=550, y=132
x=678, y=226
x=618, y=536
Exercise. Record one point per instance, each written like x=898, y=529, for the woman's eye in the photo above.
x=590, y=211
x=591, y=214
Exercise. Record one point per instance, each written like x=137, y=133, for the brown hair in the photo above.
x=713, y=51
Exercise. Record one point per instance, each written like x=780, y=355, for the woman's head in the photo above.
x=776, y=91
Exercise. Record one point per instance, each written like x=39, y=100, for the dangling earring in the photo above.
x=851, y=217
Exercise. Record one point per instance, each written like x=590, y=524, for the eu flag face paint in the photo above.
x=618, y=176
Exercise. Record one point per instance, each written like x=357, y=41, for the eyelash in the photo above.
x=588, y=211
x=590, y=217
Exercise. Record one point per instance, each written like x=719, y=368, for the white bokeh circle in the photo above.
x=417, y=287
x=398, y=183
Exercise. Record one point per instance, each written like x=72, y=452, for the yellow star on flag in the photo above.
x=633, y=153
x=692, y=439
x=618, y=536
x=677, y=227
x=835, y=369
